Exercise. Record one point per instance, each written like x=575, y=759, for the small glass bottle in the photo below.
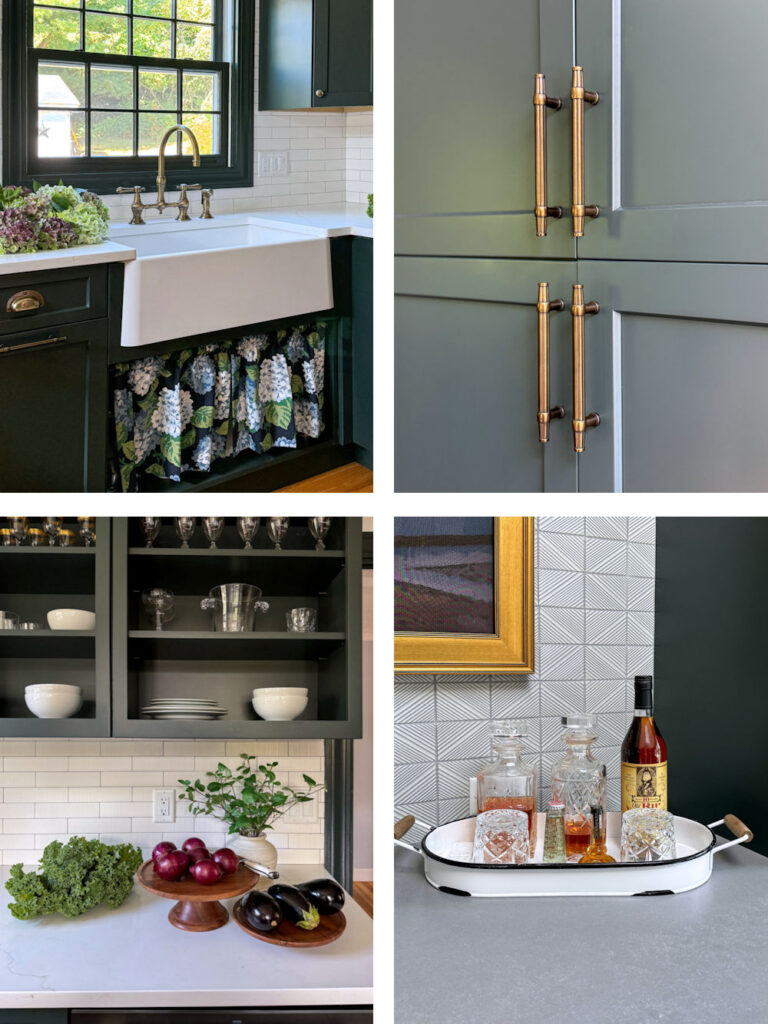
x=508, y=782
x=596, y=852
x=554, y=834
x=578, y=781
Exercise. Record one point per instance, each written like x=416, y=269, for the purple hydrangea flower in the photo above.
x=56, y=233
x=18, y=233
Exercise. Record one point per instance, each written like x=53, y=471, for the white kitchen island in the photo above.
x=133, y=957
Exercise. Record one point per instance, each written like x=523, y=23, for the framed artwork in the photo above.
x=464, y=594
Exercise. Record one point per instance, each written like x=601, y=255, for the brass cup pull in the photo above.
x=545, y=414
x=579, y=96
x=24, y=302
x=540, y=103
x=581, y=422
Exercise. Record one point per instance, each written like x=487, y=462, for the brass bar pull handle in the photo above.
x=544, y=307
x=31, y=344
x=581, y=422
x=579, y=96
x=540, y=103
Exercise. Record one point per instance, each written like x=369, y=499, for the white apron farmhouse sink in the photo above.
x=196, y=276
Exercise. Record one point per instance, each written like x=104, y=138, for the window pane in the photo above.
x=111, y=134
x=151, y=38
x=206, y=129
x=158, y=8
x=201, y=90
x=60, y=3
x=60, y=85
x=194, y=10
x=157, y=90
x=106, y=33
x=194, y=42
x=57, y=30
x=151, y=130
x=61, y=133
x=119, y=6
x=111, y=86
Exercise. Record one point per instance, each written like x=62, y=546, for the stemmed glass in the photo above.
x=319, y=527
x=52, y=527
x=246, y=529
x=159, y=603
x=277, y=528
x=150, y=527
x=185, y=529
x=19, y=527
x=87, y=529
x=212, y=527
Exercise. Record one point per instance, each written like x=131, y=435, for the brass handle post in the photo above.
x=544, y=307
x=25, y=302
x=540, y=103
x=579, y=96
x=581, y=422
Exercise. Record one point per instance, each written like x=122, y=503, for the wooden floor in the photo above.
x=363, y=894
x=350, y=479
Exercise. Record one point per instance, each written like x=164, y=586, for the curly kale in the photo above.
x=73, y=878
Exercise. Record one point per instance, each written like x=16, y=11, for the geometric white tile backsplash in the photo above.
x=594, y=595
x=102, y=789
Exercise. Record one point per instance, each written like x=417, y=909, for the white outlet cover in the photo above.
x=164, y=805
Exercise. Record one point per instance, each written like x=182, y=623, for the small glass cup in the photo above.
x=30, y=626
x=247, y=528
x=9, y=621
x=150, y=527
x=501, y=837
x=185, y=529
x=87, y=529
x=67, y=538
x=52, y=526
x=301, y=620
x=212, y=527
x=647, y=834
x=36, y=537
x=319, y=527
x=277, y=530
x=19, y=527
x=8, y=537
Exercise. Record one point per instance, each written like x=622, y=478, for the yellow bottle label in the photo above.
x=643, y=785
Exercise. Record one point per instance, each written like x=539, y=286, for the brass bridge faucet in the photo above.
x=138, y=206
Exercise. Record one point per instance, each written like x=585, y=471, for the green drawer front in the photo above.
x=56, y=297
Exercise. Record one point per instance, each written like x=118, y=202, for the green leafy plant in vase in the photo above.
x=249, y=798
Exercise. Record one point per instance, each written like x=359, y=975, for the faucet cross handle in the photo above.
x=137, y=205
x=183, y=203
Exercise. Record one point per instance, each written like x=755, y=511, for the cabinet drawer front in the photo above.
x=29, y=301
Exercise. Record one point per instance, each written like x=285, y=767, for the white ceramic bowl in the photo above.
x=281, y=691
x=279, y=707
x=53, y=688
x=71, y=618
x=53, y=705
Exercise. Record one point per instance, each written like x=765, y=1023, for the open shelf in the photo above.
x=47, y=643
x=254, y=646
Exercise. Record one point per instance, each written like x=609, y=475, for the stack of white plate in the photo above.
x=188, y=708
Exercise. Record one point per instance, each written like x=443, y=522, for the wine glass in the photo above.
x=159, y=603
x=19, y=527
x=277, y=528
x=185, y=528
x=87, y=529
x=319, y=527
x=246, y=529
x=212, y=527
x=150, y=527
x=52, y=527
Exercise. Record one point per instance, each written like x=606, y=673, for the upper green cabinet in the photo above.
x=315, y=53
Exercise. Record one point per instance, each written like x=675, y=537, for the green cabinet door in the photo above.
x=466, y=376
x=53, y=409
x=464, y=126
x=681, y=350
x=675, y=154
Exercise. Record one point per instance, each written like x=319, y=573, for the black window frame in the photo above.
x=233, y=168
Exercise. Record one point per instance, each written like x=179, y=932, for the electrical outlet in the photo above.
x=473, y=795
x=272, y=163
x=163, y=805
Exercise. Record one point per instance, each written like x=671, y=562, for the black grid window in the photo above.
x=102, y=80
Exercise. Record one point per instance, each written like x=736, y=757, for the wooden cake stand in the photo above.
x=198, y=908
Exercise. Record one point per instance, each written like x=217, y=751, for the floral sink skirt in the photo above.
x=182, y=412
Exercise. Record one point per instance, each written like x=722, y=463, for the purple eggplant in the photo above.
x=261, y=911
x=295, y=906
x=324, y=894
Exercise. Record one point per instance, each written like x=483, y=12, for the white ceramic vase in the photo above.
x=255, y=850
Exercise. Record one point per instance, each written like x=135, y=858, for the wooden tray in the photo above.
x=286, y=934
x=198, y=908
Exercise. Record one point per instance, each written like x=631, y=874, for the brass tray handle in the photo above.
x=581, y=423
x=579, y=96
x=24, y=302
x=544, y=307
x=540, y=103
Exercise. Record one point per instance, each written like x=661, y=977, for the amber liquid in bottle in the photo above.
x=577, y=838
x=643, y=755
x=596, y=852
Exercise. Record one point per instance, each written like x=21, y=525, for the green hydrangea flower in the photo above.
x=87, y=222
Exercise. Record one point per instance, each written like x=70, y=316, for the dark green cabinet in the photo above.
x=315, y=54
x=362, y=349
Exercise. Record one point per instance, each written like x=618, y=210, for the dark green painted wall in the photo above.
x=710, y=663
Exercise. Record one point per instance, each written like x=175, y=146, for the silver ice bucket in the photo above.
x=234, y=606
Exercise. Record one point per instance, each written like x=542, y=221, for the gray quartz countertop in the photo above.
x=133, y=957
x=698, y=957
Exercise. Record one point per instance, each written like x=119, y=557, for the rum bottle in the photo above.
x=643, y=755
x=508, y=782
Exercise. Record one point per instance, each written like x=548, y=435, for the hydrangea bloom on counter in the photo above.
x=50, y=217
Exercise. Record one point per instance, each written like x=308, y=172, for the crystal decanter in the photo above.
x=508, y=782
x=578, y=781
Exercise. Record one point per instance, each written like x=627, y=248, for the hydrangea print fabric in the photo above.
x=183, y=412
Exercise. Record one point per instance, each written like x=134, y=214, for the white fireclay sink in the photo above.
x=192, y=277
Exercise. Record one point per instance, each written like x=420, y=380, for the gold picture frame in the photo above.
x=509, y=649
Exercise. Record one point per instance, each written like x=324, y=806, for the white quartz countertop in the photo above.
x=347, y=219
x=134, y=957
x=77, y=256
